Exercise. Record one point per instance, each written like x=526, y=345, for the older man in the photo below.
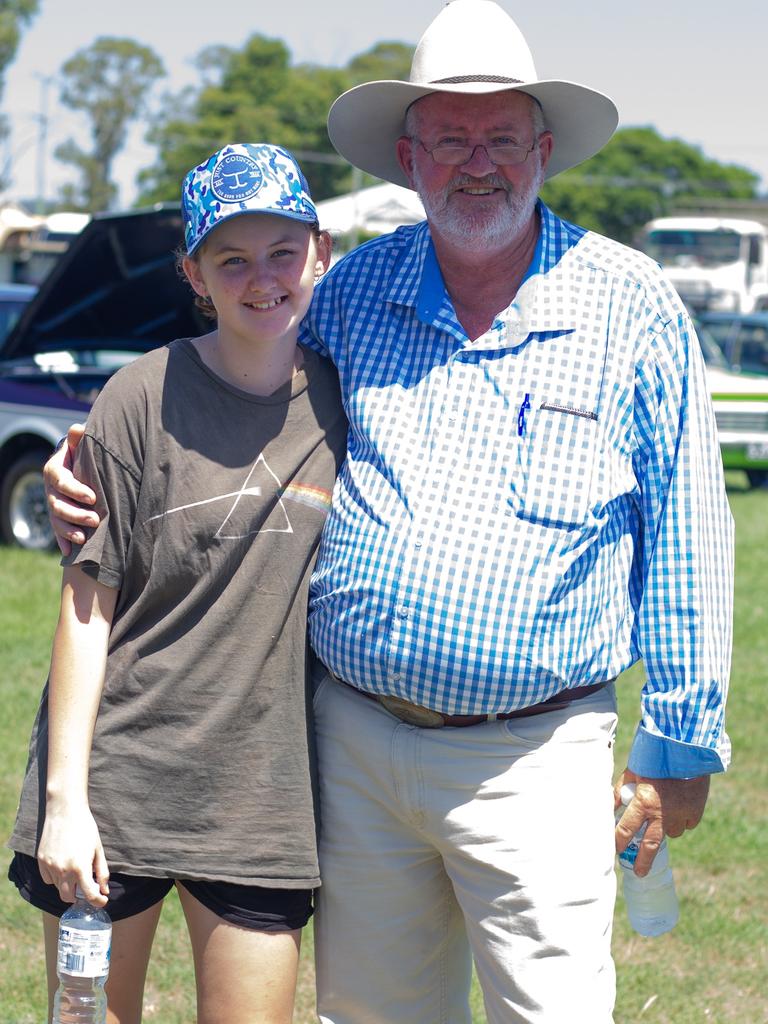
x=532, y=501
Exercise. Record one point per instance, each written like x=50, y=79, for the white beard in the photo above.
x=485, y=229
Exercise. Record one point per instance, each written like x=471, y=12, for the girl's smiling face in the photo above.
x=259, y=270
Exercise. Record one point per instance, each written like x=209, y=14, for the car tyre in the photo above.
x=23, y=509
x=757, y=477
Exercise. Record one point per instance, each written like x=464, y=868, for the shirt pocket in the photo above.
x=556, y=457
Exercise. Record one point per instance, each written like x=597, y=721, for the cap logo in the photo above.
x=236, y=178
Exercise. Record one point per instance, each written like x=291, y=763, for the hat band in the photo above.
x=461, y=79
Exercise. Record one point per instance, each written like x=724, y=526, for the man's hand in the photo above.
x=63, y=490
x=670, y=806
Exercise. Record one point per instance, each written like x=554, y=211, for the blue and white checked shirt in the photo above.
x=533, y=510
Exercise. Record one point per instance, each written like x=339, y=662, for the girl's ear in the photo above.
x=191, y=268
x=324, y=248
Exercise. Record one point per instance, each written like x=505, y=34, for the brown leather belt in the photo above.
x=428, y=718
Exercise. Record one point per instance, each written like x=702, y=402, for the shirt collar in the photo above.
x=547, y=300
x=406, y=282
x=542, y=304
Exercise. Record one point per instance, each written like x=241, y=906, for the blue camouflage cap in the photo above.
x=244, y=177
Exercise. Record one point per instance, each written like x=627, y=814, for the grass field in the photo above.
x=710, y=970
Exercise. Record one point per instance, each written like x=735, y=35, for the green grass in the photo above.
x=709, y=970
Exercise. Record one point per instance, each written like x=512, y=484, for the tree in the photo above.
x=108, y=82
x=254, y=95
x=640, y=175
x=384, y=61
x=15, y=15
x=250, y=95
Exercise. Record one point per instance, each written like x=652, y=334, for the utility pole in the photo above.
x=42, y=141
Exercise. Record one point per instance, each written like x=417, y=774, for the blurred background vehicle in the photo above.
x=715, y=263
x=13, y=299
x=741, y=411
x=32, y=244
x=742, y=338
x=114, y=294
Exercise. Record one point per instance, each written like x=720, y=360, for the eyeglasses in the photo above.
x=452, y=155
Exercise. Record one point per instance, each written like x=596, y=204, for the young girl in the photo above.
x=171, y=745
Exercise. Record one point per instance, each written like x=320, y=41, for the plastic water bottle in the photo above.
x=82, y=964
x=651, y=901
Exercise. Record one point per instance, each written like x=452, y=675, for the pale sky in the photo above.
x=694, y=69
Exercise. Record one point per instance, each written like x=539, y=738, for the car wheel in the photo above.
x=757, y=477
x=23, y=510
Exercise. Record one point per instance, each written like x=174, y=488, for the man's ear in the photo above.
x=404, y=150
x=546, y=144
x=324, y=248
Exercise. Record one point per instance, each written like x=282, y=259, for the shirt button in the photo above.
x=402, y=613
x=395, y=677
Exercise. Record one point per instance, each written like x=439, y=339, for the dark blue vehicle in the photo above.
x=114, y=294
x=13, y=299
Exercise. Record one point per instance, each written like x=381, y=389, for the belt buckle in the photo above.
x=413, y=714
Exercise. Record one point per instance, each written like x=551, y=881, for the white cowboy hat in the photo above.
x=472, y=46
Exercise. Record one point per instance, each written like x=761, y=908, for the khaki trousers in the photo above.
x=493, y=842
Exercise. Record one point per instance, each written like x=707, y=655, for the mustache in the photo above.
x=489, y=180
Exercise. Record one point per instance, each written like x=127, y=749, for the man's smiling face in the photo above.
x=478, y=203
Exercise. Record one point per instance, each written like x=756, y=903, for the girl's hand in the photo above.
x=70, y=854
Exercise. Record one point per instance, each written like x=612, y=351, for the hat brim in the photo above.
x=365, y=122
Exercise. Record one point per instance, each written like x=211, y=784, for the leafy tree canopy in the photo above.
x=15, y=15
x=257, y=94
x=640, y=175
x=108, y=82
x=386, y=60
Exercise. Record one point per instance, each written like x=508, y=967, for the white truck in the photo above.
x=715, y=263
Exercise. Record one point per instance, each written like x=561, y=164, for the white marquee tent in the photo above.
x=372, y=211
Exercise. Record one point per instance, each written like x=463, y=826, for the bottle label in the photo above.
x=628, y=855
x=84, y=954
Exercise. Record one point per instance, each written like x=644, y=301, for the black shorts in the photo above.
x=247, y=906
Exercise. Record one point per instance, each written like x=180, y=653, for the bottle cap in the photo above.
x=80, y=895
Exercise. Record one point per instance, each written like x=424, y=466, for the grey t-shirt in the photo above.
x=213, y=501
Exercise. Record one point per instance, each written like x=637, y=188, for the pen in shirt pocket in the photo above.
x=521, y=415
